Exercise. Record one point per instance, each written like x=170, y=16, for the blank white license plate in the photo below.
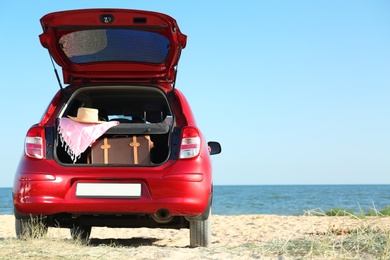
x=108, y=190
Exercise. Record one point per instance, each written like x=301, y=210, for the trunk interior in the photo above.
x=142, y=136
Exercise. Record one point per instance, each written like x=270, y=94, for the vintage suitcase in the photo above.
x=122, y=150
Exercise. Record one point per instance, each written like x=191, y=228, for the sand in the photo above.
x=233, y=237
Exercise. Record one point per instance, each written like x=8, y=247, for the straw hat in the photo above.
x=87, y=115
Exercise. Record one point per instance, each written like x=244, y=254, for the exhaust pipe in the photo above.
x=162, y=216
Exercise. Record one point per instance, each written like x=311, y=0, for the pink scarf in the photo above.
x=77, y=137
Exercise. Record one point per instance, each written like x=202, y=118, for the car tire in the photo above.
x=200, y=232
x=33, y=227
x=80, y=232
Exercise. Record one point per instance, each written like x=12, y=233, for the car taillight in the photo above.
x=190, y=143
x=34, y=145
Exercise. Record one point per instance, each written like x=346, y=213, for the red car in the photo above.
x=118, y=145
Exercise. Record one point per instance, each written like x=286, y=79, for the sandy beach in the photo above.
x=233, y=237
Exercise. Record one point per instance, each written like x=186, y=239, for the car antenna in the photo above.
x=55, y=71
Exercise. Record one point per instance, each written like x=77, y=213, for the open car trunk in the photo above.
x=140, y=139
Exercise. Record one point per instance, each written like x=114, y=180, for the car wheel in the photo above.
x=33, y=227
x=200, y=232
x=80, y=232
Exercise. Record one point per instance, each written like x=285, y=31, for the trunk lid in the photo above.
x=100, y=45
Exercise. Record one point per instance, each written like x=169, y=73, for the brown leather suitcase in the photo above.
x=122, y=150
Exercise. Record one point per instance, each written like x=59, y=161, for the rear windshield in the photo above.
x=104, y=45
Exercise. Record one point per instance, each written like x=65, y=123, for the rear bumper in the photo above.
x=181, y=189
x=184, y=204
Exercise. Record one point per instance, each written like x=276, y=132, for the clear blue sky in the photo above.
x=297, y=92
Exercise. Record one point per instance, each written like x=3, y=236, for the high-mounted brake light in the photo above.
x=34, y=145
x=190, y=143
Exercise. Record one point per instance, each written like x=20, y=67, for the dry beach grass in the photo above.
x=234, y=237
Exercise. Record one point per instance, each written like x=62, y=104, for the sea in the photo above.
x=284, y=200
